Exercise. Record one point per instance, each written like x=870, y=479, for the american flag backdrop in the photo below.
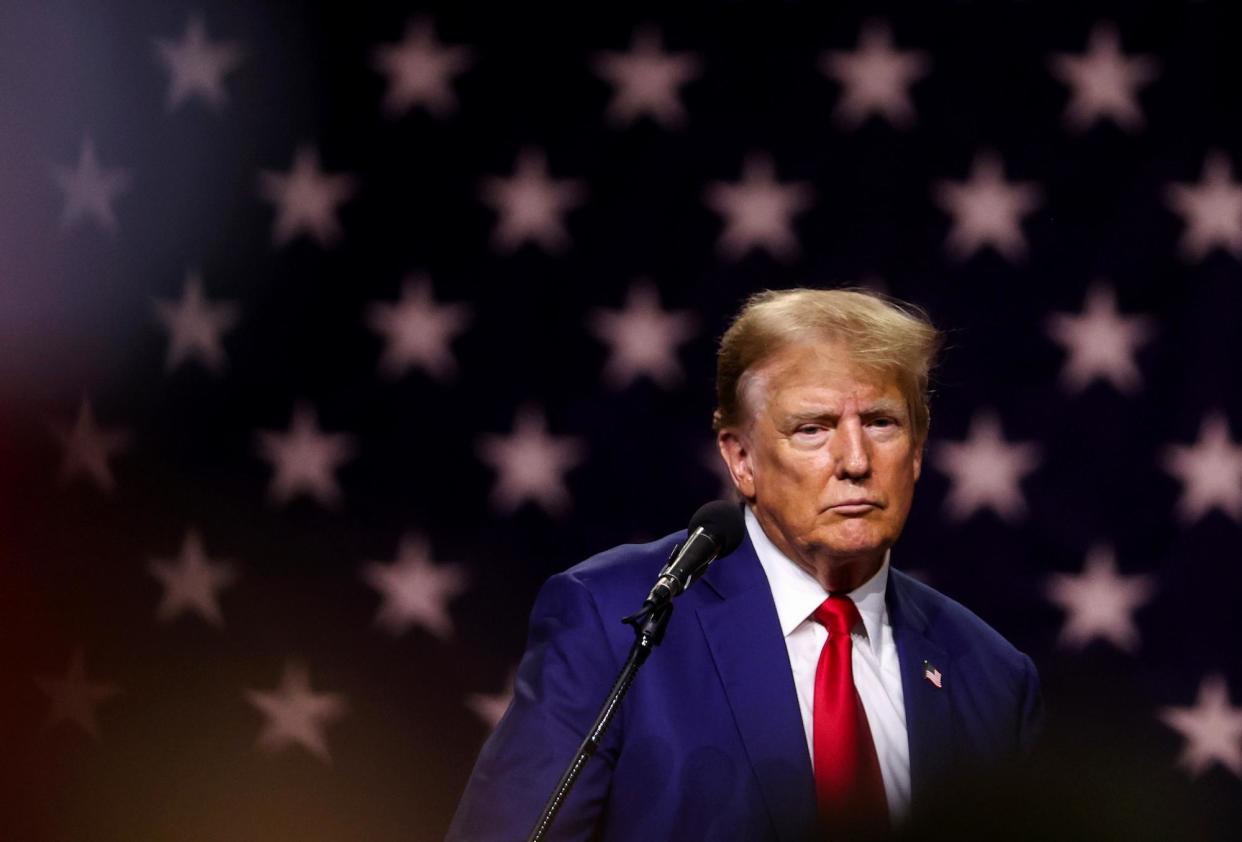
x=330, y=331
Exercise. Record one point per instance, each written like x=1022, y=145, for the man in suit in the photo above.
x=804, y=685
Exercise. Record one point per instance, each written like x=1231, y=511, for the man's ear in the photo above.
x=918, y=460
x=736, y=453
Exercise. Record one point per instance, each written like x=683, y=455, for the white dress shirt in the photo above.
x=877, y=674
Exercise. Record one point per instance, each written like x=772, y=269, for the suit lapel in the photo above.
x=748, y=651
x=928, y=715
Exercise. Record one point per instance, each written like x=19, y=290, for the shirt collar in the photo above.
x=797, y=593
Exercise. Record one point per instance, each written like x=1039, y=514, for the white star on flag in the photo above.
x=90, y=189
x=491, y=707
x=305, y=459
x=306, y=199
x=195, y=326
x=642, y=338
x=875, y=78
x=1211, y=209
x=1101, y=343
x=758, y=211
x=197, y=65
x=530, y=464
x=987, y=210
x=74, y=697
x=420, y=71
x=1104, y=82
x=1210, y=471
x=89, y=448
x=1100, y=602
x=646, y=80
x=985, y=470
x=418, y=330
x=192, y=582
x=530, y=205
x=296, y=715
x=415, y=590
x=1212, y=728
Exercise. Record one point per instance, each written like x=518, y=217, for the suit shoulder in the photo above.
x=614, y=583
x=624, y=567
x=955, y=626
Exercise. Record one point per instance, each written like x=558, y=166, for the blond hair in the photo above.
x=882, y=335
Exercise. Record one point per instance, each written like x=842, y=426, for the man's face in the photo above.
x=825, y=455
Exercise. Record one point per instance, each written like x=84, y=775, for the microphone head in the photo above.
x=722, y=520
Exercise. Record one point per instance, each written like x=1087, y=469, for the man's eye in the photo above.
x=883, y=422
x=810, y=429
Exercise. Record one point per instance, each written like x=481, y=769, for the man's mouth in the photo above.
x=853, y=507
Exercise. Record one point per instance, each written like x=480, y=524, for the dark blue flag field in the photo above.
x=329, y=331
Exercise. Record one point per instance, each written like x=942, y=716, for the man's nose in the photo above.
x=850, y=457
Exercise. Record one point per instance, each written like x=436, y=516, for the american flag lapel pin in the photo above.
x=931, y=674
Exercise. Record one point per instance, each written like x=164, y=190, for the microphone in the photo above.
x=715, y=530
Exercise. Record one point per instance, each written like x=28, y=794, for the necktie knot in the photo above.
x=838, y=614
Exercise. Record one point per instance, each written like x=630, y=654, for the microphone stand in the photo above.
x=649, y=625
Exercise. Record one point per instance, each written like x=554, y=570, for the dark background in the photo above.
x=175, y=755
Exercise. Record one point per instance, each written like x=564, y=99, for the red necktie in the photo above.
x=848, y=784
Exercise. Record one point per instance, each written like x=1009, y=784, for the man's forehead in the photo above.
x=822, y=364
x=818, y=376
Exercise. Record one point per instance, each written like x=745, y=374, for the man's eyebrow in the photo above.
x=880, y=406
x=884, y=405
x=811, y=415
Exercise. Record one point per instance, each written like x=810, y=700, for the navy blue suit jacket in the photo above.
x=709, y=743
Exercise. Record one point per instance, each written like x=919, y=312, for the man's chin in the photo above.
x=852, y=549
